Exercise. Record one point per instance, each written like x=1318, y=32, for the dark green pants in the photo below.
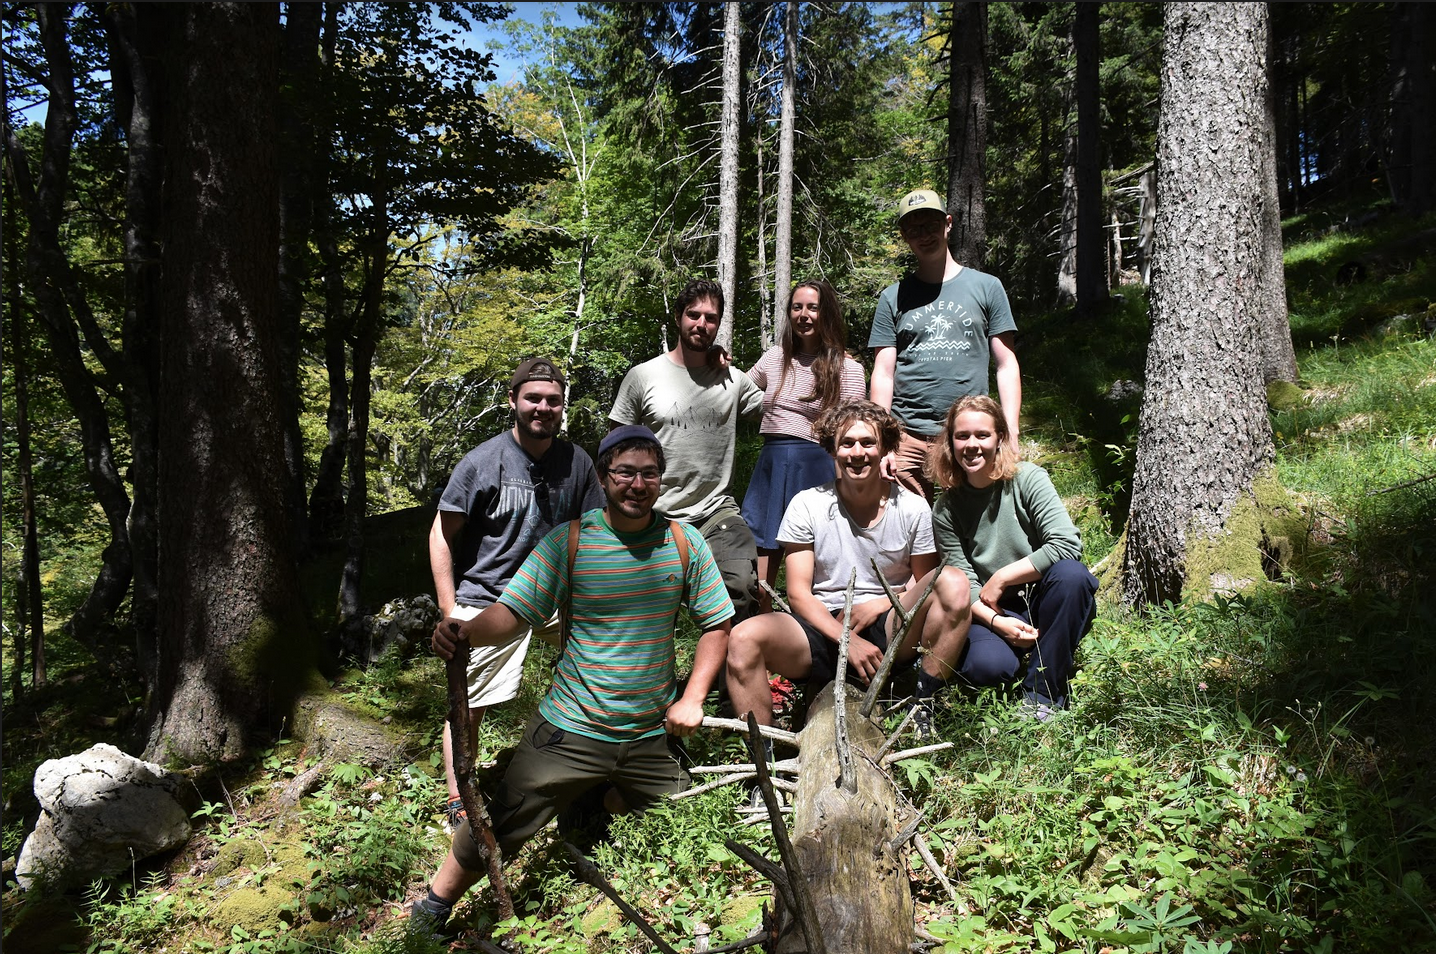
x=552, y=767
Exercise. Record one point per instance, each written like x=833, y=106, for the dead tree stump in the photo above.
x=844, y=841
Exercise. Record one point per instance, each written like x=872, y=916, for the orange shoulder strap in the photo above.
x=680, y=540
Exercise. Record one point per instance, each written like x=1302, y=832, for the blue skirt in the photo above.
x=786, y=465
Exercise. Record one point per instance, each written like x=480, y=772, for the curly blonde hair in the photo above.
x=941, y=465
x=831, y=424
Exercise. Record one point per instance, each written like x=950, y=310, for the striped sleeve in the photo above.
x=540, y=585
x=708, y=601
x=853, y=387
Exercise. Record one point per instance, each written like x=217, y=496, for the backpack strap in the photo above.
x=680, y=540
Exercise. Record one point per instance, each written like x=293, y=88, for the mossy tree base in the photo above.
x=1265, y=532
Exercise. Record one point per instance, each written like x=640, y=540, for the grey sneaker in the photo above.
x=1038, y=708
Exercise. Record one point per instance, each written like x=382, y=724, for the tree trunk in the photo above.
x=967, y=132
x=29, y=597
x=299, y=75
x=783, y=223
x=767, y=326
x=857, y=878
x=1412, y=162
x=1275, y=323
x=65, y=313
x=235, y=647
x=1147, y=217
x=728, y=131
x=137, y=42
x=326, y=500
x=1295, y=159
x=1091, y=263
x=365, y=339
x=1204, y=434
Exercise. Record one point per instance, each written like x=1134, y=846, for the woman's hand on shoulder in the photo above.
x=888, y=467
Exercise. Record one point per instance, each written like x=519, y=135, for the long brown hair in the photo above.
x=832, y=337
x=941, y=465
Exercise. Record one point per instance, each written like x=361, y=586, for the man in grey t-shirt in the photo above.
x=501, y=500
x=693, y=405
x=931, y=337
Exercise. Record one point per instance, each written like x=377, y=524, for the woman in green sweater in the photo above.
x=1001, y=522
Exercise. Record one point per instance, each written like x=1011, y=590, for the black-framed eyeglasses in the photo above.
x=921, y=229
x=623, y=475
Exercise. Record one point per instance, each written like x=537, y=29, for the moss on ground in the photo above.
x=269, y=903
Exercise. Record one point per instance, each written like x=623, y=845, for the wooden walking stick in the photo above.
x=457, y=672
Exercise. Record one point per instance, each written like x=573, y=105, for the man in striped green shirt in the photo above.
x=612, y=704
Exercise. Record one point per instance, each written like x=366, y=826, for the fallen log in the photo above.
x=844, y=841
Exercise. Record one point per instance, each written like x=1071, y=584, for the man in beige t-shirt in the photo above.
x=693, y=406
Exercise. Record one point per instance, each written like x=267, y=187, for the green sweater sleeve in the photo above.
x=1044, y=518
x=982, y=531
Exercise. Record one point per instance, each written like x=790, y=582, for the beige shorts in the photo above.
x=495, y=671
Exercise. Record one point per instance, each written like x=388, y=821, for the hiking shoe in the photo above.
x=456, y=814
x=922, y=712
x=429, y=920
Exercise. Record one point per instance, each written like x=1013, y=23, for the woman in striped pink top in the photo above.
x=806, y=373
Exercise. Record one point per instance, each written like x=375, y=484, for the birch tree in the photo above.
x=783, y=224
x=729, y=129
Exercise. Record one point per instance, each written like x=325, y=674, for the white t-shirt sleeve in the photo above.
x=797, y=525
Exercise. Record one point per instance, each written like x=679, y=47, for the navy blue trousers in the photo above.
x=1061, y=605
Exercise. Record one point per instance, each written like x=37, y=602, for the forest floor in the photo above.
x=1251, y=773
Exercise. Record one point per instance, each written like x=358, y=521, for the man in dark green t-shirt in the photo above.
x=932, y=335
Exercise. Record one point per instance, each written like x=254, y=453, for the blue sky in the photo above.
x=507, y=68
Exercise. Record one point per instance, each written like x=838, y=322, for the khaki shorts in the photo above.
x=495, y=671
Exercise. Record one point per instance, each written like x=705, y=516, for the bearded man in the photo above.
x=501, y=500
x=693, y=402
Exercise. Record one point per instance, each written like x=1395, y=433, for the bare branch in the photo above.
x=904, y=836
x=710, y=786
x=456, y=671
x=790, y=766
x=777, y=600
x=926, y=854
x=736, y=725
x=847, y=770
x=590, y=875
x=870, y=699
x=767, y=869
x=806, y=910
x=906, y=721
x=914, y=753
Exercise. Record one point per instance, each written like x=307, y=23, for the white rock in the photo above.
x=100, y=811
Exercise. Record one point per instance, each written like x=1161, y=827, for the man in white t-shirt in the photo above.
x=693, y=404
x=831, y=531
